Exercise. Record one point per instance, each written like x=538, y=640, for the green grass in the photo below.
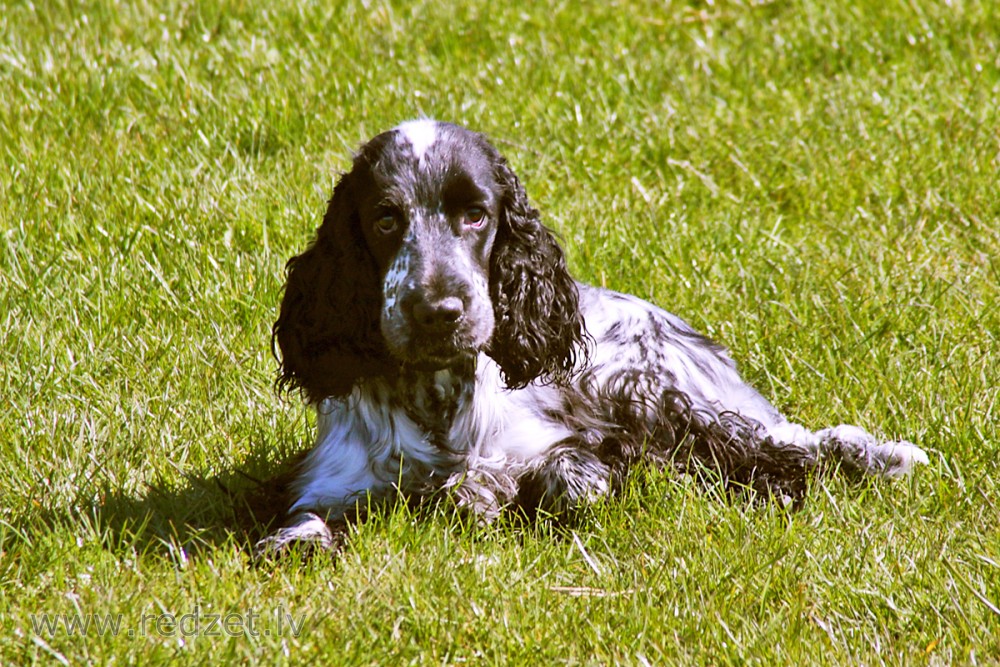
x=812, y=183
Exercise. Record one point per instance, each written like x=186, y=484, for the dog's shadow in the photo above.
x=244, y=503
x=201, y=512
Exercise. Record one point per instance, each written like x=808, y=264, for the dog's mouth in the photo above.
x=427, y=349
x=429, y=365
x=433, y=356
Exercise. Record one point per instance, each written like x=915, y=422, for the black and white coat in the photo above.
x=434, y=326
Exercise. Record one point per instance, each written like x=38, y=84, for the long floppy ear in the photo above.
x=539, y=329
x=328, y=327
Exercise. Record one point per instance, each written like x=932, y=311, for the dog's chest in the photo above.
x=433, y=401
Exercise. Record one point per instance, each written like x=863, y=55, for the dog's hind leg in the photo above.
x=853, y=448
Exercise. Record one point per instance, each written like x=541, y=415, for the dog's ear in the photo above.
x=539, y=329
x=328, y=326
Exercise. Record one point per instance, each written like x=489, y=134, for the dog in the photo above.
x=446, y=348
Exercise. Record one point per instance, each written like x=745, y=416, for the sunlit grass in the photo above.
x=812, y=184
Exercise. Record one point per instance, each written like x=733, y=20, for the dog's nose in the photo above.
x=438, y=315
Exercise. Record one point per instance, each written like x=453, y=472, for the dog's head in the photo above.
x=428, y=254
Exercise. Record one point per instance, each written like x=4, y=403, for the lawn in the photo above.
x=812, y=183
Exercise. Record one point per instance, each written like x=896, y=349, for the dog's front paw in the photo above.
x=569, y=478
x=306, y=531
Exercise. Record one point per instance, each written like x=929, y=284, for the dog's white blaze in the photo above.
x=421, y=134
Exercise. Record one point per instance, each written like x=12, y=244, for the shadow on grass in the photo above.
x=200, y=512
x=244, y=504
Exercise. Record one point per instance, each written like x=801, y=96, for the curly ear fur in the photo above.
x=539, y=329
x=328, y=327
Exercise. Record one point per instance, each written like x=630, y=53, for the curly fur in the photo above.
x=327, y=329
x=435, y=326
x=539, y=325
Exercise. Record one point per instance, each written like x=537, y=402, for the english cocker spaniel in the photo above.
x=445, y=346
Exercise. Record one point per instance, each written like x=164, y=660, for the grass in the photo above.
x=812, y=183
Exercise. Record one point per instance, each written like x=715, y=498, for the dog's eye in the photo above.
x=475, y=217
x=387, y=224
